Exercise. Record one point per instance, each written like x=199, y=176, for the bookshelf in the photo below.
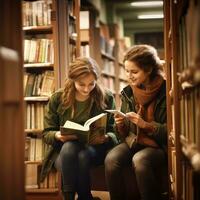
x=101, y=41
x=51, y=42
x=182, y=66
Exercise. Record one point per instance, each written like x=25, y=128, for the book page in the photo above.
x=73, y=125
x=93, y=119
x=116, y=112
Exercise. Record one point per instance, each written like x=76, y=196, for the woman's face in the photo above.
x=135, y=75
x=84, y=86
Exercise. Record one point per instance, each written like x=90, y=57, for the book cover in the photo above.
x=94, y=125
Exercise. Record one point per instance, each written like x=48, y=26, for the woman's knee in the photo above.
x=84, y=159
x=113, y=160
x=69, y=150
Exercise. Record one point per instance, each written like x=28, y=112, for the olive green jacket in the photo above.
x=55, y=117
x=160, y=117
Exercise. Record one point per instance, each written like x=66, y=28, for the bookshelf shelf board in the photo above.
x=38, y=28
x=43, y=190
x=38, y=162
x=39, y=65
x=106, y=55
x=37, y=98
x=84, y=42
x=35, y=131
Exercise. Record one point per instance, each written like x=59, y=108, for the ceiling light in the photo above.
x=147, y=4
x=153, y=16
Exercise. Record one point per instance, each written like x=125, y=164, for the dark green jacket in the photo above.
x=160, y=116
x=55, y=117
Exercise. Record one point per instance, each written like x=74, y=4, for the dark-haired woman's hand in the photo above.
x=136, y=119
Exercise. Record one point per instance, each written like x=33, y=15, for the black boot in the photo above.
x=68, y=195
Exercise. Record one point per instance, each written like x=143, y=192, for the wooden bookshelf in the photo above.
x=51, y=42
x=182, y=66
x=101, y=42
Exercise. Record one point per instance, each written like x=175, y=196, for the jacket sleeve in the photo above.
x=51, y=120
x=160, y=132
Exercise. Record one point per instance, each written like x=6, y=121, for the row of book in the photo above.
x=39, y=84
x=108, y=66
x=34, y=115
x=109, y=82
x=38, y=50
x=34, y=148
x=32, y=178
x=122, y=73
x=37, y=13
x=107, y=46
x=190, y=116
x=85, y=50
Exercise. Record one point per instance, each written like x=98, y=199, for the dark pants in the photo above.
x=75, y=161
x=144, y=161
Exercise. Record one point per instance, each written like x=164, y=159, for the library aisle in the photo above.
x=39, y=39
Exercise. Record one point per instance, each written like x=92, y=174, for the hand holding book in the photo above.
x=94, y=125
x=132, y=116
x=64, y=138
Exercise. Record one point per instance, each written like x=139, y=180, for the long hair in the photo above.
x=146, y=58
x=79, y=68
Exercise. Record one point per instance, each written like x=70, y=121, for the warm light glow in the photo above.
x=147, y=4
x=153, y=16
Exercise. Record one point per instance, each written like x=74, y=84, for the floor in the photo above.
x=102, y=195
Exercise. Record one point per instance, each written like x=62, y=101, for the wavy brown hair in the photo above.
x=79, y=68
x=146, y=58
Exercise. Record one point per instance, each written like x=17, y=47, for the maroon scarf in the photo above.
x=145, y=103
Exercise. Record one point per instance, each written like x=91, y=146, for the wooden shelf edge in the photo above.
x=42, y=190
x=36, y=98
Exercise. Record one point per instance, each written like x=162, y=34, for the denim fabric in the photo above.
x=75, y=162
x=144, y=161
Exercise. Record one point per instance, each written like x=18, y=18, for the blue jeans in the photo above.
x=145, y=161
x=75, y=161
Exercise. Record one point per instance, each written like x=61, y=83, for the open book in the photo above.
x=116, y=112
x=93, y=125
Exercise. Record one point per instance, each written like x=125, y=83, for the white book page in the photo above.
x=73, y=125
x=116, y=112
x=93, y=119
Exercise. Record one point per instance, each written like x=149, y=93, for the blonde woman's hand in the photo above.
x=136, y=119
x=119, y=120
x=64, y=138
x=97, y=138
